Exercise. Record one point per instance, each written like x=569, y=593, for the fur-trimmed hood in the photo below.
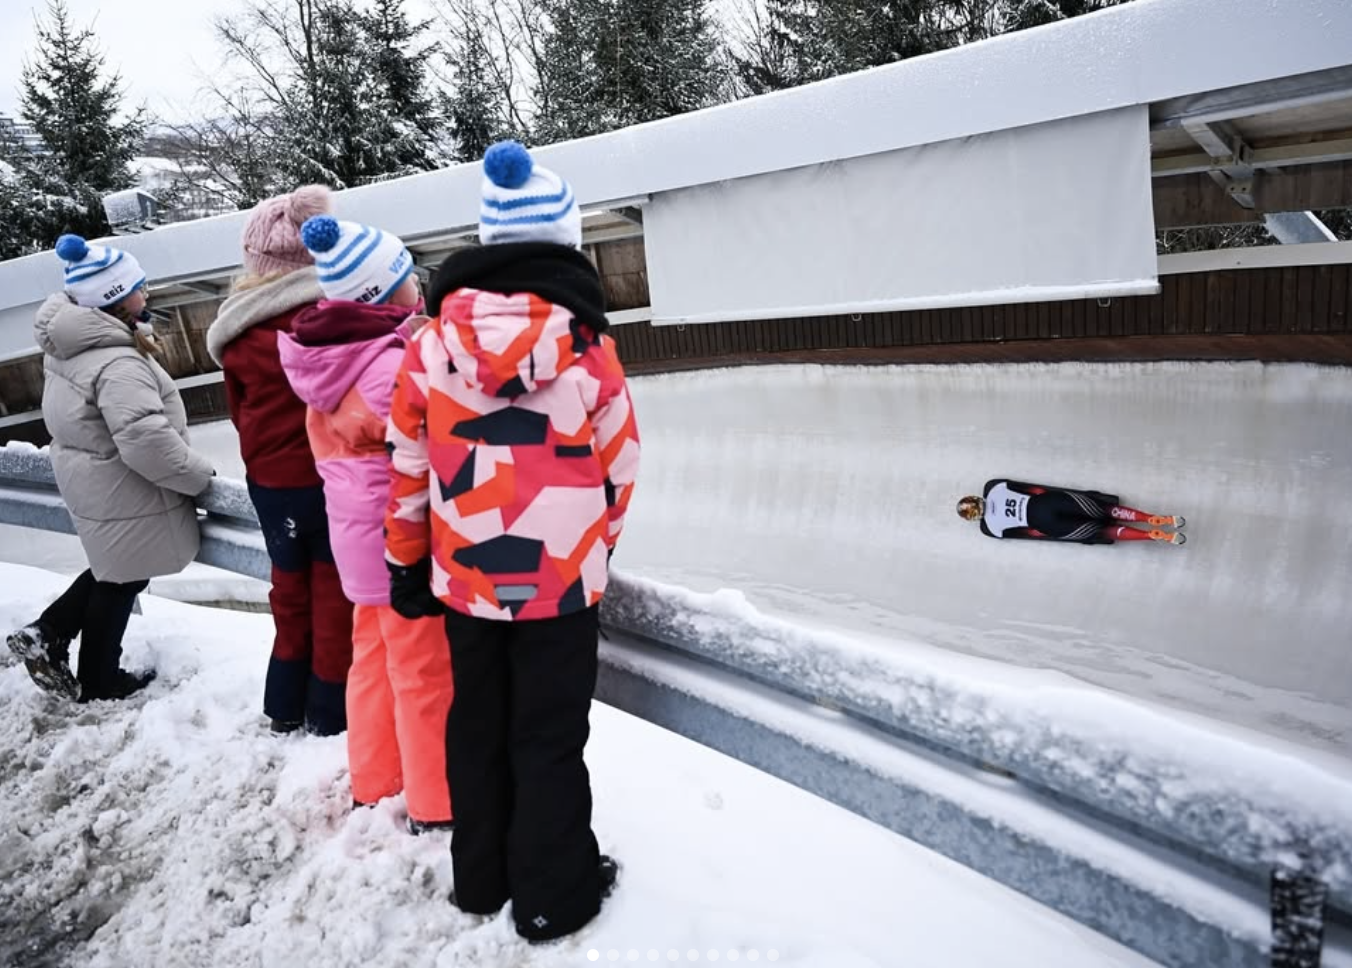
x=252, y=306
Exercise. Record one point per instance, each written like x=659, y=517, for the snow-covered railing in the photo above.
x=230, y=536
x=1177, y=840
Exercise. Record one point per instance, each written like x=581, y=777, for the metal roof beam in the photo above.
x=1230, y=169
x=1292, y=228
x=1298, y=90
x=1274, y=156
x=205, y=288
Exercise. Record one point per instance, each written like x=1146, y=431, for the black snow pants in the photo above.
x=522, y=794
x=97, y=612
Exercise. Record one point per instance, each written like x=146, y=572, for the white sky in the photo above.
x=162, y=48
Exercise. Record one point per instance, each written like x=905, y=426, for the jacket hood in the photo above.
x=65, y=330
x=250, y=307
x=333, y=343
x=505, y=346
x=514, y=316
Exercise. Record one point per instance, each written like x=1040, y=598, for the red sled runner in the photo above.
x=1014, y=509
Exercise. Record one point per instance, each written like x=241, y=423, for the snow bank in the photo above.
x=173, y=830
x=1239, y=794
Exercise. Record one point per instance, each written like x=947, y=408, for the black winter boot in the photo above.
x=609, y=870
x=608, y=873
x=123, y=684
x=46, y=656
x=419, y=827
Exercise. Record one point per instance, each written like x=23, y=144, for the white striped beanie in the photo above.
x=525, y=202
x=355, y=262
x=97, y=276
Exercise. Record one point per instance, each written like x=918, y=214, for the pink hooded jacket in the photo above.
x=341, y=358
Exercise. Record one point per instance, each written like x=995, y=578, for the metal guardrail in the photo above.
x=1163, y=851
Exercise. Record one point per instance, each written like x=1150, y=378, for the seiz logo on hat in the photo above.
x=114, y=292
x=369, y=293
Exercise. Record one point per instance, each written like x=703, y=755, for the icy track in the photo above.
x=826, y=495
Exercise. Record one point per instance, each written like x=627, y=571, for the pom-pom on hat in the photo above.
x=272, y=231
x=98, y=276
x=355, y=262
x=525, y=202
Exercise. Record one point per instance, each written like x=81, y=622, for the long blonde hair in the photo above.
x=145, y=345
x=251, y=281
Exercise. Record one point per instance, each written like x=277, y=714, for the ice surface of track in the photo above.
x=827, y=494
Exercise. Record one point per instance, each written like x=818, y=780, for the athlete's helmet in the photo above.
x=971, y=508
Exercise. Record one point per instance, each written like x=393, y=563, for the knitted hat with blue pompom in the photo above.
x=525, y=202
x=98, y=276
x=355, y=262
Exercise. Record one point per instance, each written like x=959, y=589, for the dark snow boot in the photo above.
x=419, y=827
x=122, y=685
x=609, y=871
x=285, y=726
x=46, y=656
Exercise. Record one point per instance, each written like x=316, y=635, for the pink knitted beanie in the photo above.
x=272, y=232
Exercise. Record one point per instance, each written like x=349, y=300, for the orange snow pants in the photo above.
x=398, y=697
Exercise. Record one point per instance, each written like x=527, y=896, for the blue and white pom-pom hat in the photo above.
x=97, y=276
x=356, y=262
x=525, y=202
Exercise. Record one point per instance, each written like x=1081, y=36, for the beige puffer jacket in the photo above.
x=119, y=445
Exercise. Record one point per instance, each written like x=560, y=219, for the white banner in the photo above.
x=1053, y=211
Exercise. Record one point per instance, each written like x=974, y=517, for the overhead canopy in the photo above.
x=1051, y=211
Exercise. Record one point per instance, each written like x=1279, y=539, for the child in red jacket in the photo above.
x=312, y=651
x=514, y=457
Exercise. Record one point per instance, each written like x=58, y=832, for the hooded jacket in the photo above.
x=341, y=359
x=119, y=445
x=512, y=436
x=269, y=417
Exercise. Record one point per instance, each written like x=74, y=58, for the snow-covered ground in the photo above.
x=174, y=830
x=826, y=495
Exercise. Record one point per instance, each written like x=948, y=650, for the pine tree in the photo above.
x=569, y=85
x=474, y=106
x=799, y=41
x=324, y=121
x=842, y=36
x=1022, y=14
x=792, y=42
x=769, y=57
x=609, y=64
x=342, y=87
x=398, y=54
x=88, y=142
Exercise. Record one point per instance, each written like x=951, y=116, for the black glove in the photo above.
x=411, y=590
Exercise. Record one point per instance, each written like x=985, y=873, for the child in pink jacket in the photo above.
x=341, y=358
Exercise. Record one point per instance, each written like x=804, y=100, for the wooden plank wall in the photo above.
x=1289, y=302
x=1181, y=201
